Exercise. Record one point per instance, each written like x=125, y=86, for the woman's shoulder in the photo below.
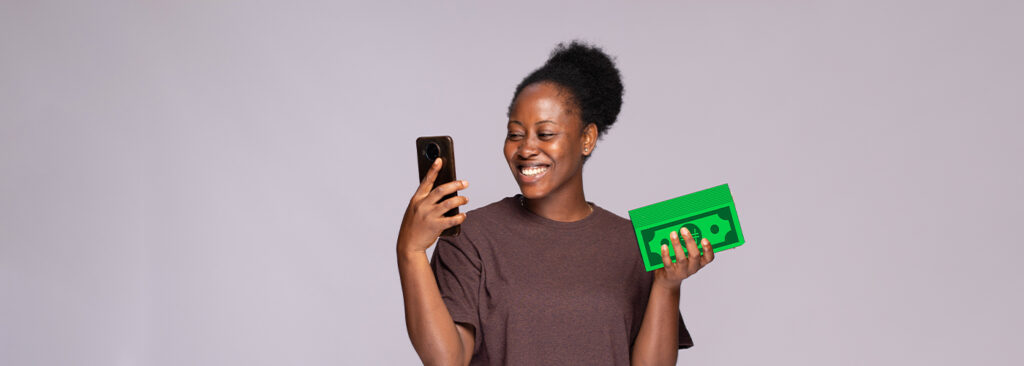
x=608, y=215
x=610, y=220
x=493, y=211
x=478, y=227
x=481, y=219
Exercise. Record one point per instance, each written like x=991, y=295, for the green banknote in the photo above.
x=708, y=214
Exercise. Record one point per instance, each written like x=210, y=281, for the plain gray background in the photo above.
x=221, y=182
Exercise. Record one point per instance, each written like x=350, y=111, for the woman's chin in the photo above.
x=532, y=193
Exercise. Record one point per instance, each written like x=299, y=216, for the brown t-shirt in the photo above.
x=543, y=292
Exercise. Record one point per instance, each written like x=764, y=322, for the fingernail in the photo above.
x=465, y=184
x=686, y=231
x=673, y=234
x=664, y=248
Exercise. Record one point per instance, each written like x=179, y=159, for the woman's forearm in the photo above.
x=431, y=329
x=658, y=340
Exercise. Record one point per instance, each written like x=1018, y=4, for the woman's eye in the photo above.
x=545, y=135
x=514, y=135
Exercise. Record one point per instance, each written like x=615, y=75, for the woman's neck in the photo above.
x=566, y=205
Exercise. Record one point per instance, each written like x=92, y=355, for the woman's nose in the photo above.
x=527, y=148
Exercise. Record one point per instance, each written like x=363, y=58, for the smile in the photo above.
x=533, y=171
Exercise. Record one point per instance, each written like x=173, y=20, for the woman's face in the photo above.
x=545, y=142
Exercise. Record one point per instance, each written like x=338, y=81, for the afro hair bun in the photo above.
x=591, y=78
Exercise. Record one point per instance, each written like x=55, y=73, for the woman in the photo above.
x=544, y=277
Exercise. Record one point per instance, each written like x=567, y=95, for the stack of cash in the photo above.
x=708, y=214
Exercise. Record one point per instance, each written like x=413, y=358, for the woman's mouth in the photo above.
x=531, y=173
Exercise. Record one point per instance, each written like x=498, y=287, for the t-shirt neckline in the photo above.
x=544, y=221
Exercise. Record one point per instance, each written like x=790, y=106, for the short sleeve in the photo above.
x=457, y=267
x=684, y=334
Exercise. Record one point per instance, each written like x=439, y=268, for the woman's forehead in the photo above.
x=542, y=102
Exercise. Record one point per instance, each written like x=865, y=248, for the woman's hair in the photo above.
x=590, y=77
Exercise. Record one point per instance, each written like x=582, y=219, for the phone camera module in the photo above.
x=431, y=151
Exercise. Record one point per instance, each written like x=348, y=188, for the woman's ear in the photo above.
x=589, y=139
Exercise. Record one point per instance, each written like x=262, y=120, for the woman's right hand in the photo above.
x=424, y=219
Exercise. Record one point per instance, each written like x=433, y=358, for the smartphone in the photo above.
x=428, y=149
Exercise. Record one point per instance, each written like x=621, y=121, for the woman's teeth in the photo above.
x=533, y=170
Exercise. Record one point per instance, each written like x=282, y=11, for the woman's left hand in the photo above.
x=686, y=265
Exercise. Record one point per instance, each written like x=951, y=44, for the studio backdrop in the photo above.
x=221, y=182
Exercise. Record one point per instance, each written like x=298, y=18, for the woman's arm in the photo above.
x=658, y=340
x=434, y=335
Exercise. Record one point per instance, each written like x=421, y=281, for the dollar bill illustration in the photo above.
x=708, y=214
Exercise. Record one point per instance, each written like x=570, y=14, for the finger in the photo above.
x=678, y=248
x=664, y=257
x=691, y=245
x=448, y=222
x=451, y=203
x=709, y=253
x=445, y=189
x=428, y=180
x=692, y=254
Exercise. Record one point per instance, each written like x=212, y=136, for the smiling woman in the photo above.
x=506, y=290
x=545, y=149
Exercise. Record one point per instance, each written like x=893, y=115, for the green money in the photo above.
x=708, y=214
